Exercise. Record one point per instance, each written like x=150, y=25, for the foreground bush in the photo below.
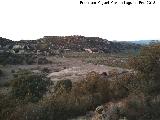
x=139, y=91
x=29, y=86
x=1, y=72
x=69, y=99
x=147, y=65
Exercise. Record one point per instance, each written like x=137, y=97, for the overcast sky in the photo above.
x=32, y=19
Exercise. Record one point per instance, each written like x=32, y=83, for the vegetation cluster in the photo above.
x=133, y=95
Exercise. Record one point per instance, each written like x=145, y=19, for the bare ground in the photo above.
x=61, y=68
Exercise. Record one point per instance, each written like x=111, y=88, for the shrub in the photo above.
x=6, y=84
x=95, y=87
x=9, y=58
x=12, y=71
x=28, y=86
x=147, y=64
x=1, y=72
x=13, y=59
x=45, y=70
x=68, y=100
x=121, y=86
x=72, y=99
x=30, y=59
x=63, y=85
x=113, y=72
x=7, y=106
x=43, y=61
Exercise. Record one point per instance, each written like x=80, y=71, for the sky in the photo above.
x=33, y=19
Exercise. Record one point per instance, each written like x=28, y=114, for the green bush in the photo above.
x=29, y=86
x=68, y=99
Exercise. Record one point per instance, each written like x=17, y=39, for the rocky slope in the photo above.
x=80, y=43
x=70, y=43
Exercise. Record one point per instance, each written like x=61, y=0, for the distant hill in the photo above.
x=72, y=43
x=145, y=42
x=79, y=43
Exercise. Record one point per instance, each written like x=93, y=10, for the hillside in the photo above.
x=68, y=43
x=80, y=43
x=75, y=85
